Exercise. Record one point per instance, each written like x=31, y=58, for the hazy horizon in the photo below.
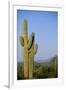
x=40, y=61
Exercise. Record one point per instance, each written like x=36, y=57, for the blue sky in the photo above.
x=44, y=24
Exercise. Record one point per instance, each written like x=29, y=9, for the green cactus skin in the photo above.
x=35, y=48
x=30, y=41
x=29, y=50
x=22, y=41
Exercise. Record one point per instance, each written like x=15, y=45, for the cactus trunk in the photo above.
x=25, y=50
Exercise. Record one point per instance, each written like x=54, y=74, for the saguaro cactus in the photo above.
x=29, y=50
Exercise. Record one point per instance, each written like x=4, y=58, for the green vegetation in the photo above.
x=41, y=70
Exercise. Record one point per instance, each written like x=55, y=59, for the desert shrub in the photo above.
x=20, y=72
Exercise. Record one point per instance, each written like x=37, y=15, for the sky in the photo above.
x=44, y=24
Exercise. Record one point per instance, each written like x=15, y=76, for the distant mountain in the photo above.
x=47, y=60
x=44, y=60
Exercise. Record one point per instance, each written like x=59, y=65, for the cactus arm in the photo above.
x=21, y=41
x=30, y=41
x=35, y=48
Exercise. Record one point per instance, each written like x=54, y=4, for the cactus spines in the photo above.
x=29, y=50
